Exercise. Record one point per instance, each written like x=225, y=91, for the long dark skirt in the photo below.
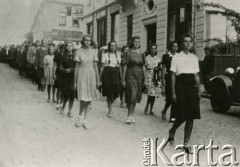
x=187, y=106
x=111, y=82
x=58, y=81
x=67, y=87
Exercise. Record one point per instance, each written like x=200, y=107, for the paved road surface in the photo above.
x=34, y=134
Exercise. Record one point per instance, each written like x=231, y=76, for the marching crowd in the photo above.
x=87, y=72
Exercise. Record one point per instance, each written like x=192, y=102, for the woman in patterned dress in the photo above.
x=152, y=62
x=86, y=78
x=133, y=77
x=49, y=72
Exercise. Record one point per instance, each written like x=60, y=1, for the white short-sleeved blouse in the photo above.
x=111, y=59
x=184, y=64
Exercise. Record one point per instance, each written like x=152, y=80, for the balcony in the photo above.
x=124, y=3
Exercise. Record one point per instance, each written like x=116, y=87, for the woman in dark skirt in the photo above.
x=111, y=75
x=185, y=87
x=133, y=76
x=58, y=80
x=166, y=79
x=67, y=67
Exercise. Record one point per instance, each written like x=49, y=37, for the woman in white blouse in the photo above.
x=110, y=75
x=185, y=87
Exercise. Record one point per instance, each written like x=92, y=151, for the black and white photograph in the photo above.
x=119, y=83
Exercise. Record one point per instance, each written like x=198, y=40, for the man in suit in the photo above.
x=40, y=54
x=208, y=65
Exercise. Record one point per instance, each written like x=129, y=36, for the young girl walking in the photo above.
x=49, y=73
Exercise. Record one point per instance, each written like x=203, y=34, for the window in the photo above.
x=79, y=10
x=75, y=23
x=69, y=11
x=151, y=4
x=115, y=27
x=172, y=27
x=179, y=19
x=101, y=31
x=62, y=18
x=129, y=27
x=90, y=28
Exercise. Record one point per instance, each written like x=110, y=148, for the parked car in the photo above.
x=225, y=91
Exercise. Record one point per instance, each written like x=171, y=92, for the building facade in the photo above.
x=155, y=21
x=59, y=20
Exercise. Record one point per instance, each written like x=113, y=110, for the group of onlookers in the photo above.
x=87, y=72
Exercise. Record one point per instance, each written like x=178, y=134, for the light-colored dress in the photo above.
x=86, y=77
x=153, y=89
x=49, y=69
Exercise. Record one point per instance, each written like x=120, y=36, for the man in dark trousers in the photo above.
x=208, y=65
x=40, y=54
x=166, y=65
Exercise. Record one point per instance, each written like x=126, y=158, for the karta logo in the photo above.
x=153, y=152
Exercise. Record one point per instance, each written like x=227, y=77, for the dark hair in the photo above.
x=65, y=45
x=61, y=47
x=187, y=35
x=207, y=48
x=131, y=42
x=85, y=36
x=171, y=44
x=123, y=48
x=149, y=48
x=126, y=46
x=110, y=43
x=43, y=41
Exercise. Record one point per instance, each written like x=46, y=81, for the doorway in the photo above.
x=151, y=33
x=101, y=31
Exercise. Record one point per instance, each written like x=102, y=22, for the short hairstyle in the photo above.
x=65, y=45
x=126, y=46
x=62, y=47
x=44, y=41
x=131, y=42
x=171, y=44
x=207, y=48
x=85, y=36
x=149, y=48
x=187, y=35
x=110, y=43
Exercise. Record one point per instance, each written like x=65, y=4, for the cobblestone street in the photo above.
x=34, y=134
